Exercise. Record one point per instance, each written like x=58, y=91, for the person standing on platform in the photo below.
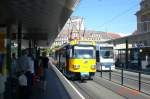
x=31, y=68
x=45, y=64
x=2, y=85
x=2, y=78
x=23, y=86
x=23, y=62
x=13, y=64
x=25, y=65
x=51, y=60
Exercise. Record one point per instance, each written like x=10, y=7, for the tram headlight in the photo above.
x=93, y=66
x=76, y=66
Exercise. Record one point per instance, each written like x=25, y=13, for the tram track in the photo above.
x=99, y=88
x=89, y=94
x=82, y=90
x=107, y=87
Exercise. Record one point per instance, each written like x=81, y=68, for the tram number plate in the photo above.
x=84, y=74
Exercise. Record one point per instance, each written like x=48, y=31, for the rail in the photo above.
x=142, y=79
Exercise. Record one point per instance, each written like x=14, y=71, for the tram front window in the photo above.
x=106, y=52
x=84, y=52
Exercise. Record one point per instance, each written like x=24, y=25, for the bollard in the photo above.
x=122, y=76
x=101, y=70
x=139, y=81
x=109, y=73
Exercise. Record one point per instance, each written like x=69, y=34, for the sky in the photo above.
x=116, y=16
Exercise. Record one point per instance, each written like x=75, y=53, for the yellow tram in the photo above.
x=77, y=59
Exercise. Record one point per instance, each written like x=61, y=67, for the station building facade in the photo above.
x=74, y=29
x=143, y=21
x=134, y=51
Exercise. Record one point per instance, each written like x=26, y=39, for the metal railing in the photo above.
x=126, y=75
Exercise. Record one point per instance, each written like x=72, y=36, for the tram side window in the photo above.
x=69, y=53
x=63, y=55
x=63, y=58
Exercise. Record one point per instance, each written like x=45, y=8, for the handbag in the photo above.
x=40, y=71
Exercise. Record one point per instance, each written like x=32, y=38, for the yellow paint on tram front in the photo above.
x=85, y=65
